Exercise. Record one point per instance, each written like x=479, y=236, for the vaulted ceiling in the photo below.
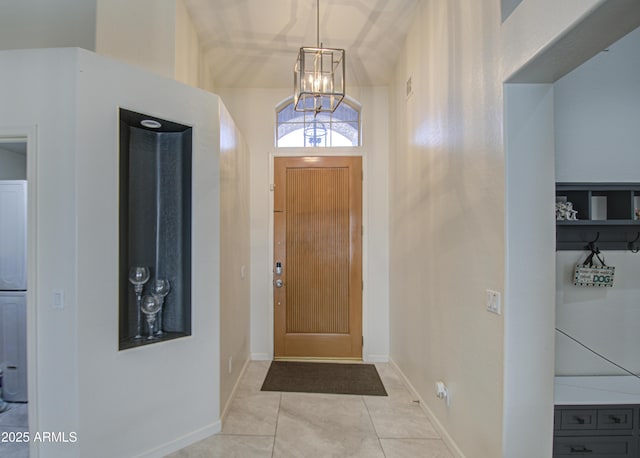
x=254, y=43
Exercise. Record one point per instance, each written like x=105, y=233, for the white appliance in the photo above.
x=13, y=289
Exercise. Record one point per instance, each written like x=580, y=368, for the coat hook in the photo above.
x=592, y=246
x=631, y=248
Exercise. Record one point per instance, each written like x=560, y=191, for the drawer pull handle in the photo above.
x=580, y=449
x=615, y=419
x=578, y=419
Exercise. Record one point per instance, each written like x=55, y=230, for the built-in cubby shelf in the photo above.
x=606, y=213
x=155, y=229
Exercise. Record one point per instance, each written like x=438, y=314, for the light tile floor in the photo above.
x=13, y=420
x=271, y=424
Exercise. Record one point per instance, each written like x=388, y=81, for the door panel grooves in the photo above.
x=317, y=235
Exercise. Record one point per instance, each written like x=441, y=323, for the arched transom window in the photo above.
x=302, y=129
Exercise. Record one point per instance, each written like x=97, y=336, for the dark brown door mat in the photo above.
x=332, y=378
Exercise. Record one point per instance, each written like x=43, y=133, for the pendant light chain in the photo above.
x=318, y=76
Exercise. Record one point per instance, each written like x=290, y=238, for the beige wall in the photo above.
x=191, y=65
x=187, y=48
x=234, y=255
x=447, y=217
x=140, y=32
x=157, y=35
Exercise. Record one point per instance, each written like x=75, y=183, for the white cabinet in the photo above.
x=13, y=345
x=13, y=235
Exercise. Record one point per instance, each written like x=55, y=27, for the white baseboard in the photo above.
x=200, y=434
x=183, y=441
x=233, y=391
x=261, y=357
x=367, y=358
x=444, y=434
x=376, y=359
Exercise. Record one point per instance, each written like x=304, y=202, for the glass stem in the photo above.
x=159, y=327
x=150, y=320
x=139, y=316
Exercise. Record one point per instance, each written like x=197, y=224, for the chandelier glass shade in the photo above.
x=319, y=77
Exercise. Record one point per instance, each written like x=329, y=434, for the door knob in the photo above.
x=279, y=283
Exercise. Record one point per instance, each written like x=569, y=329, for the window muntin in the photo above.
x=338, y=129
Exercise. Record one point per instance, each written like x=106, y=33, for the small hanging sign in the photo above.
x=588, y=274
x=594, y=276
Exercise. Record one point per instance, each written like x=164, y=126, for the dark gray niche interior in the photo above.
x=155, y=229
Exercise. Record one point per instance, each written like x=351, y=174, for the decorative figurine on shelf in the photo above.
x=565, y=212
x=572, y=215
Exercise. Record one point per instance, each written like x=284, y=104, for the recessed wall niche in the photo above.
x=155, y=230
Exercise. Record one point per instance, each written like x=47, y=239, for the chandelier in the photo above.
x=319, y=76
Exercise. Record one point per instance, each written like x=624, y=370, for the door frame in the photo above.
x=29, y=135
x=320, y=152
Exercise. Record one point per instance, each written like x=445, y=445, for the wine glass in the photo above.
x=138, y=276
x=160, y=289
x=150, y=307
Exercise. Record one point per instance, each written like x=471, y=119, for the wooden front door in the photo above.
x=318, y=257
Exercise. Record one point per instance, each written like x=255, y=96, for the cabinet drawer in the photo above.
x=579, y=419
x=595, y=447
x=615, y=419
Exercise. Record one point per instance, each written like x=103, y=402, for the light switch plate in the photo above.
x=493, y=302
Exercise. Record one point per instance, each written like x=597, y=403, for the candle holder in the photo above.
x=150, y=307
x=159, y=290
x=138, y=276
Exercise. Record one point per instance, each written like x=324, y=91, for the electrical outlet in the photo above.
x=493, y=302
x=442, y=392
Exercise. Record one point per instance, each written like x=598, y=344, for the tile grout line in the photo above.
x=241, y=435
x=413, y=438
x=275, y=433
x=364, y=401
